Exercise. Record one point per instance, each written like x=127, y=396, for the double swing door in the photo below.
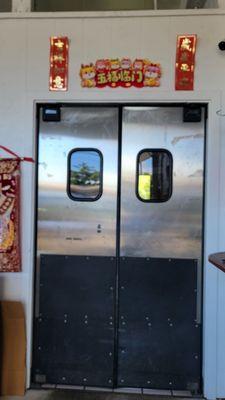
x=119, y=244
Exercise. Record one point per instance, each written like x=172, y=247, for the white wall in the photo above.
x=24, y=66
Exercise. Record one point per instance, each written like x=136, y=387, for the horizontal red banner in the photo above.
x=185, y=62
x=120, y=73
x=59, y=49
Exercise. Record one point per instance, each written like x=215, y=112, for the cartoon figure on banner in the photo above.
x=102, y=68
x=126, y=75
x=151, y=75
x=114, y=73
x=138, y=66
x=87, y=74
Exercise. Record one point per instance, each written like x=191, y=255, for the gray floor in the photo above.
x=76, y=395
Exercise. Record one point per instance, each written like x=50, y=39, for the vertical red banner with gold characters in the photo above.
x=185, y=62
x=10, y=260
x=59, y=55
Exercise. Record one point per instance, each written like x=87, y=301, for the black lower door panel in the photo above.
x=74, y=325
x=159, y=338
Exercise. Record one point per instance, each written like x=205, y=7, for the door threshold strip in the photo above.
x=151, y=392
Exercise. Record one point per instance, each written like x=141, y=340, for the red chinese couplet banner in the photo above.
x=59, y=51
x=120, y=73
x=185, y=62
x=10, y=260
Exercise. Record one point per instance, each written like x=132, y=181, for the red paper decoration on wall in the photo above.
x=10, y=259
x=59, y=49
x=185, y=62
x=120, y=73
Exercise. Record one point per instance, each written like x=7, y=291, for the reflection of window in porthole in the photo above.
x=85, y=174
x=154, y=175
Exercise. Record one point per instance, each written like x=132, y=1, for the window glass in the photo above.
x=85, y=174
x=92, y=5
x=180, y=4
x=114, y=5
x=5, y=5
x=154, y=175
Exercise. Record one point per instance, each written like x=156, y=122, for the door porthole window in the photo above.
x=85, y=174
x=154, y=175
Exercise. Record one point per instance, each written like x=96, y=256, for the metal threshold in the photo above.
x=125, y=390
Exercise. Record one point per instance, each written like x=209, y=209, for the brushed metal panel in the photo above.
x=174, y=228
x=73, y=227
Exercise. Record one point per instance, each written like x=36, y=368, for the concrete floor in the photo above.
x=76, y=395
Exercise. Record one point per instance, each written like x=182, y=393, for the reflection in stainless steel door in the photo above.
x=173, y=228
x=75, y=227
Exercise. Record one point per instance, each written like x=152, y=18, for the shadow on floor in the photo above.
x=79, y=395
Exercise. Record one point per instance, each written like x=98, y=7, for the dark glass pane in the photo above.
x=5, y=5
x=92, y=5
x=168, y=5
x=85, y=175
x=154, y=175
x=114, y=5
x=181, y=4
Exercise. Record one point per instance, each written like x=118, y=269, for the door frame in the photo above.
x=120, y=106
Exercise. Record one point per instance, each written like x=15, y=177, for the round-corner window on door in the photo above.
x=85, y=174
x=154, y=175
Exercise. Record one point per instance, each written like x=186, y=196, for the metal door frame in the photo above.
x=120, y=106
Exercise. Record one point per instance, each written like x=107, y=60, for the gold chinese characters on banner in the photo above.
x=59, y=49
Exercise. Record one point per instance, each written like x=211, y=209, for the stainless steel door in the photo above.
x=159, y=338
x=172, y=228
x=76, y=255
x=77, y=227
